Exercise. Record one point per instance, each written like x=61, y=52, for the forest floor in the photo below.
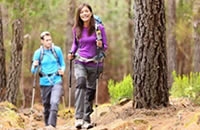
x=180, y=115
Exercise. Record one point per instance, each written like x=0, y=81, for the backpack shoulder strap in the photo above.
x=98, y=32
x=54, y=52
x=41, y=54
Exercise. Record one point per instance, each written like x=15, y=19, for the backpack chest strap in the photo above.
x=41, y=74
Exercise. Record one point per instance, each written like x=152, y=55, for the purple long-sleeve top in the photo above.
x=86, y=46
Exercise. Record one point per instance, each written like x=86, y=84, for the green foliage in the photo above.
x=37, y=15
x=186, y=86
x=119, y=90
x=184, y=8
x=184, y=19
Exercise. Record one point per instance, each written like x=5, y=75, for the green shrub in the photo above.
x=186, y=86
x=119, y=90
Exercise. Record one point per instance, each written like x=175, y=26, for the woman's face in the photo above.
x=85, y=14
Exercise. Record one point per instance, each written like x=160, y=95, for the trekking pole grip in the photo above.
x=34, y=80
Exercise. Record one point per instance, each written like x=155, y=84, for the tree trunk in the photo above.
x=196, y=35
x=150, y=58
x=14, y=75
x=171, y=40
x=70, y=22
x=2, y=60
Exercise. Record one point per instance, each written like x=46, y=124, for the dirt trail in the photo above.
x=180, y=115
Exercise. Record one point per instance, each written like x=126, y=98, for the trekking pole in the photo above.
x=33, y=97
x=97, y=85
x=63, y=95
x=96, y=99
x=33, y=91
x=99, y=37
x=70, y=85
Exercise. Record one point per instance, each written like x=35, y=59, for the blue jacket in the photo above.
x=49, y=66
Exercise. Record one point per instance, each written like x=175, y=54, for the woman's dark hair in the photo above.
x=78, y=26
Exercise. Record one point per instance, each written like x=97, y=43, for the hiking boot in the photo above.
x=50, y=127
x=87, y=125
x=78, y=123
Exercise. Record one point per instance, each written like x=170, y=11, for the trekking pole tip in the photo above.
x=94, y=124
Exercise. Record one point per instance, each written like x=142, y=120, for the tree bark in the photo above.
x=70, y=22
x=196, y=35
x=150, y=57
x=13, y=80
x=2, y=60
x=171, y=40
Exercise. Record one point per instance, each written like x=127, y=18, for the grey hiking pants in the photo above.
x=85, y=90
x=50, y=99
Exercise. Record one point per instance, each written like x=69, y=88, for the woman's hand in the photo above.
x=70, y=56
x=99, y=43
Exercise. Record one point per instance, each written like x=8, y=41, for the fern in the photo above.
x=119, y=90
x=186, y=86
